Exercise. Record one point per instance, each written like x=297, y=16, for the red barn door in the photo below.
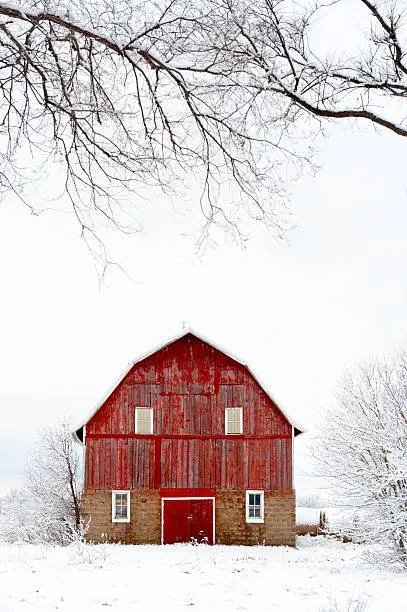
x=186, y=520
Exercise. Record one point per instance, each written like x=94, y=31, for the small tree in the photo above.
x=48, y=508
x=363, y=450
x=54, y=476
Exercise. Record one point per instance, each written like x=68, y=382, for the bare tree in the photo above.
x=54, y=475
x=47, y=509
x=128, y=93
x=111, y=90
x=362, y=450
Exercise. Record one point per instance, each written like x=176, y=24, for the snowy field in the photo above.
x=318, y=575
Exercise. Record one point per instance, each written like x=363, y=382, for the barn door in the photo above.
x=201, y=511
x=187, y=520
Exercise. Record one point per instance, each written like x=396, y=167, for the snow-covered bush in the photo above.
x=47, y=509
x=362, y=450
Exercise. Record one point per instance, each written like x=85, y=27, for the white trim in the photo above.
x=170, y=341
x=151, y=420
x=250, y=519
x=120, y=520
x=239, y=433
x=163, y=499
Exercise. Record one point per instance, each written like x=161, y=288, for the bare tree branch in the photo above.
x=226, y=93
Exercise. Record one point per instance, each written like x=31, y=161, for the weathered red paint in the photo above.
x=189, y=384
x=187, y=492
x=157, y=461
x=188, y=520
x=185, y=436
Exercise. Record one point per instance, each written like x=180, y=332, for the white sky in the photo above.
x=297, y=313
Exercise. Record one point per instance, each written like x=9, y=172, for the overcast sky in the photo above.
x=298, y=313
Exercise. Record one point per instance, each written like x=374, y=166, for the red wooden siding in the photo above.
x=185, y=463
x=189, y=384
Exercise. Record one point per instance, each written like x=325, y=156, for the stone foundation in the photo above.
x=230, y=523
x=279, y=519
x=145, y=518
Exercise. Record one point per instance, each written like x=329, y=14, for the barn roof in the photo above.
x=78, y=429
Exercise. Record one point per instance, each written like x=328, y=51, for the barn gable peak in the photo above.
x=78, y=431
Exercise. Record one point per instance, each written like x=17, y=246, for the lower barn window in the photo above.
x=121, y=506
x=254, y=506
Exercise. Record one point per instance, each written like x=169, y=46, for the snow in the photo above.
x=319, y=572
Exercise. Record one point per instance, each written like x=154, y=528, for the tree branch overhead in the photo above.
x=130, y=93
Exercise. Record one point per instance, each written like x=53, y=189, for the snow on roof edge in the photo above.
x=185, y=332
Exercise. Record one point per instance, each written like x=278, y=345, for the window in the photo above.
x=121, y=506
x=254, y=506
x=144, y=421
x=234, y=420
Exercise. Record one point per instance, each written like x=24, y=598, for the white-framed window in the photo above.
x=254, y=506
x=121, y=506
x=233, y=420
x=144, y=420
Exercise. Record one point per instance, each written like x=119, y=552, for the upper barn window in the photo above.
x=144, y=420
x=234, y=420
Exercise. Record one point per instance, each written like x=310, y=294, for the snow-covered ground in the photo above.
x=319, y=573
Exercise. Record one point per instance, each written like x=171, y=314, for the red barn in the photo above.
x=189, y=446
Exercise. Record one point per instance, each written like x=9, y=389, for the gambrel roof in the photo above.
x=78, y=431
